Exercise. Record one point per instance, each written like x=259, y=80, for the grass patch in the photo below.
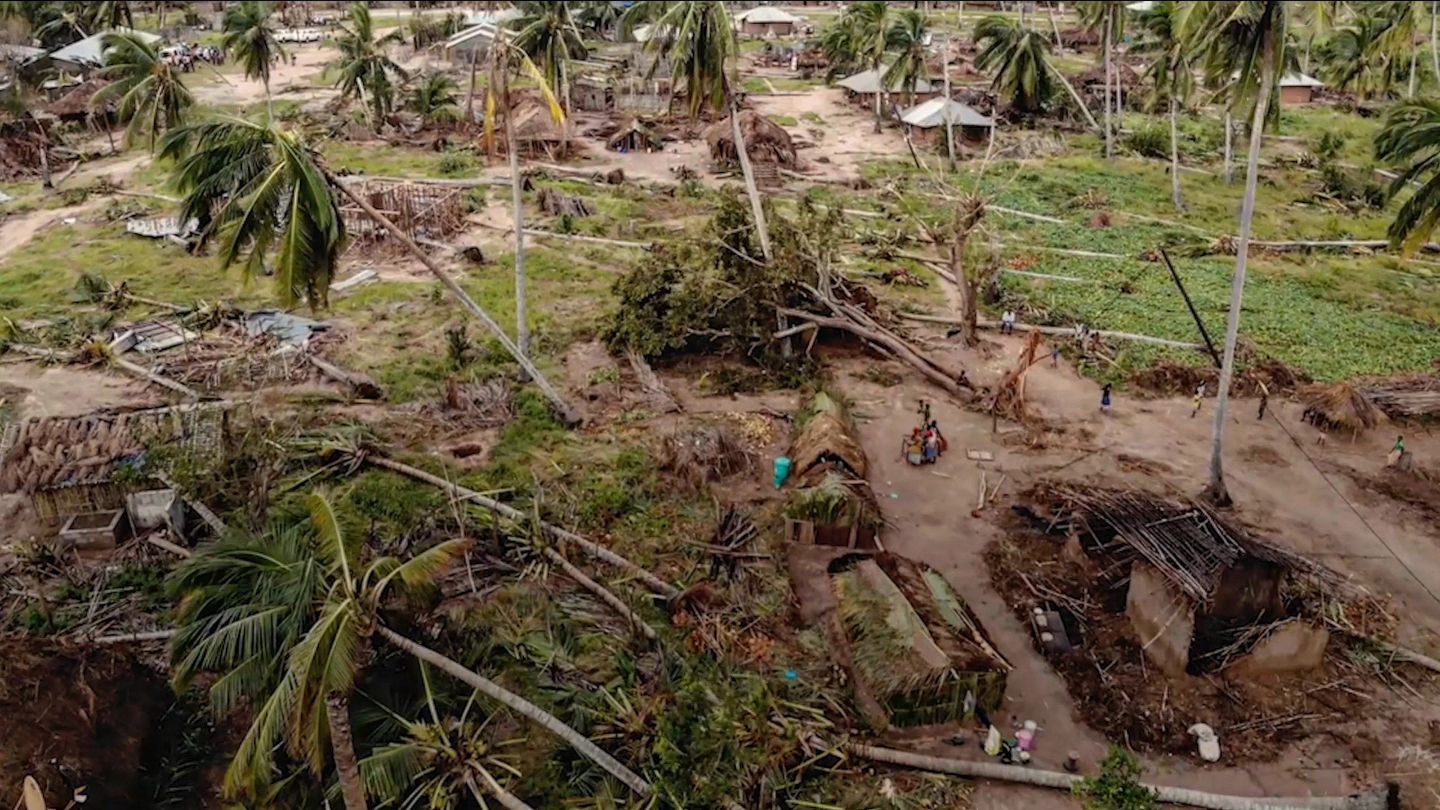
x=784, y=120
x=384, y=159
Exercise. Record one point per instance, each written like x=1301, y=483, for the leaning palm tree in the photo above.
x=1246, y=40
x=152, y=97
x=1172, y=76
x=1355, y=58
x=250, y=37
x=435, y=98
x=1410, y=139
x=263, y=188
x=548, y=34
x=1020, y=61
x=870, y=23
x=1402, y=23
x=907, y=37
x=442, y=762
x=366, y=72
x=287, y=620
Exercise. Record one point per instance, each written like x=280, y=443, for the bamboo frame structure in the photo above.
x=421, y=210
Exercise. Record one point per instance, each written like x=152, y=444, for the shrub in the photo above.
x=1118, y=785
x=453, y=163
x=1150, y=141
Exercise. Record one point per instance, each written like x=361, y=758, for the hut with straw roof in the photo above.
x=1339, y=406
x=79, y=104
x=537, y=133
x=766, y=142
x=635, y=136
x=832, y=504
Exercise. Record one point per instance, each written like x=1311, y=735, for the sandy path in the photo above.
x=17, y=231
x=65, y=391
x=930, y=511
x=234, y=88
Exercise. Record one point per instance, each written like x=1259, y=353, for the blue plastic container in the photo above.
x=782, y=470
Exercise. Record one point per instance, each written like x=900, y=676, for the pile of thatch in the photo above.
x=20, y=144
x=702, y=454
x=835, y=500
x=533, y=123
x=41, y=453
x=633, y=136
x=765, y=141
x=827, y=441
x=473, y=405
x=1408, y=396
x=1339, y=406
x=80, y=102
x=559, y=204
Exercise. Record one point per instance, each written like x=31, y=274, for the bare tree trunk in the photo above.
x=1054, y=25
x=506, y=799
x=1410, y=88
x=517, y=200
x=1175, y=152
x=949, y=124
x=1217, y=491
x=342, y=741
x=269, y=102
x=757, y=209
x=568, y=414
x=1435, y=39
x=520, y=705
x=602, y=593
x=1109, y=131
x=470, y=96
x=1075, y=96
x=1229, y=146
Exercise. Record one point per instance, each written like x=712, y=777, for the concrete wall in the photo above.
x=1296, y=647
x=1163, y=618
x=1296, y=95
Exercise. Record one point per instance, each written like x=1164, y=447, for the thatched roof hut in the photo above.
x=765, y=141
x=79, y=103
x=536, y=130
x=827, y=441
x=1339, y=406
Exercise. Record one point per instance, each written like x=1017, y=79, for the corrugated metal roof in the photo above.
x=91, y=50
x=934, y=112
x=868, y=81
x=483, y=31
x=766, y=14
x=1300, y=80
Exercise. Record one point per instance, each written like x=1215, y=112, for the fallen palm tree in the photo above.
x=1409, y=396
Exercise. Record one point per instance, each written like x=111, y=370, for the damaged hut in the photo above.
x=421, y=210
x=88, y=465
x=634, y=136
x=832, y=504
x=537, y=133
x=80, y=104
x=914, y=646
x=1201, y=594
x=766, y=142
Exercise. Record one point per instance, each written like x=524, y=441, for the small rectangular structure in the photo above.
x=156, y=508
x=1293, y=646
x=93, y=531
x=424, y=210
x=1164, y=620
x=862, y=538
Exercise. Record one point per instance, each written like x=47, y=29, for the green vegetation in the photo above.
x=784, y=120
x=1118, y=785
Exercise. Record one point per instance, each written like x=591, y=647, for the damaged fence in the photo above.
x=421, y=210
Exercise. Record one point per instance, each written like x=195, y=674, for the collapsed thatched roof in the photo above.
x=765, y=141
x=79, y=101
x=1341, y=405
x=39, y=454
x=827, y=440
x=1096, y=75
x=633, y=134
x=533, y=122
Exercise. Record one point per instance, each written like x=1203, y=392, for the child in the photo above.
x=1105, y=398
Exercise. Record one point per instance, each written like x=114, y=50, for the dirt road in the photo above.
x=1273, y=483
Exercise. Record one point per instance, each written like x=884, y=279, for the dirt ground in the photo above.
x=1277, y=490
x=66, y=391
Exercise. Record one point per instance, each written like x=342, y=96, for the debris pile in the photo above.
x=698, y=455
x=1339, y=406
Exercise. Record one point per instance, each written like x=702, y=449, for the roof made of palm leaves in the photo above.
x=531, y=121
x=867, y=82
x=765, y=140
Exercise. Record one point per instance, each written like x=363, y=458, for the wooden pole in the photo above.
x=1205, y=334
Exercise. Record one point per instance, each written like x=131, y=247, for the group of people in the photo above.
x=186, y=57
x=926, y=443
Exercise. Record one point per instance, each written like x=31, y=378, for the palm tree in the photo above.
x=250, y=38
x=1411, y=135
x=1171, y=74
x=601, y=17
x=1402, y=18
x=1109, y=17
x=365, y=69
x=907, y=37
x=287, y=621
x=1020, y=60
x=271, y=189
x=151, y=95
x=1356, y=59
x=869, y=23
x=1246, y=40
x=440, y=762
x=1321, y=19
x=505, y=57
x=549, y=35
x=436, y=98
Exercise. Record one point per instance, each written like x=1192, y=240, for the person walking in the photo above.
x=1105, y=398
x=1396, y=453
x=1055, y=357
x=1264, y=401
x=1199, y=400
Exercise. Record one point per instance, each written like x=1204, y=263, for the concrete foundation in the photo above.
x=1296, y=647
x=1163, y=618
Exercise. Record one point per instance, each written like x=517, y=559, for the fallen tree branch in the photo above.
x=589, y=547
x=179, y=551
x=1055, y=330
x=127, y=638
x=1373, y=800
x=895, y=345
x=602, y=593
x=361, y=385
x=150, y=376
x=652, y=383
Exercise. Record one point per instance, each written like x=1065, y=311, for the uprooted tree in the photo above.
x=714, y=291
